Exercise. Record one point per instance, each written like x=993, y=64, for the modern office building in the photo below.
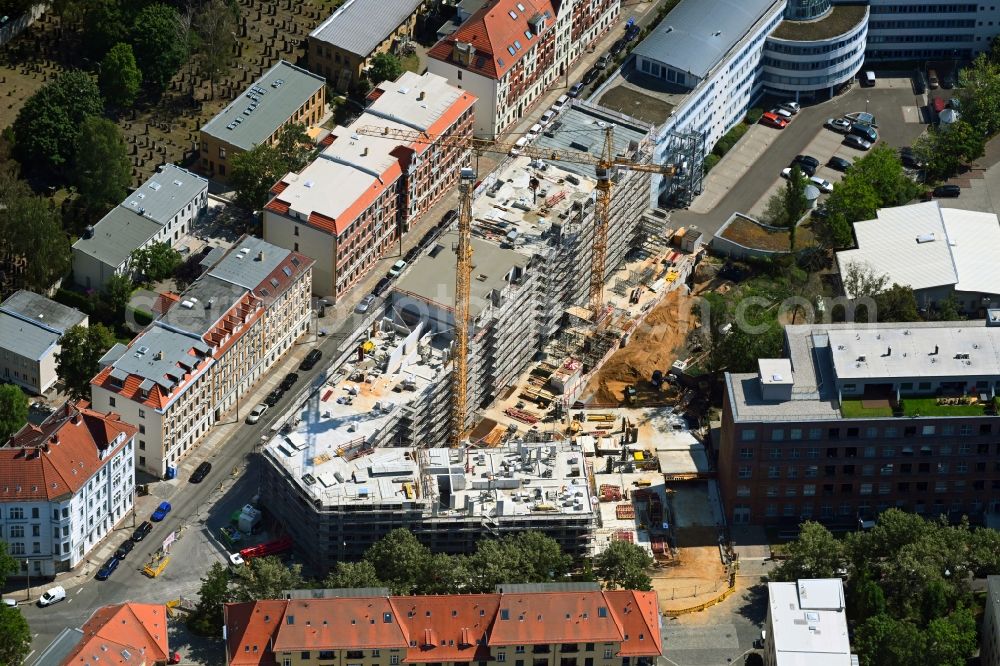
x=807, y=624
x=858, y=418
x=283, y=95
x=579, y=627
x=989, y=652
x=31, y=327
x=161, y=210
x=191, y=365
x=510, y=51
x=946, y=30
x=64, y=485
x=351, y=206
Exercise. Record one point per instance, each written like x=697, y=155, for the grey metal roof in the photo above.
x=581, y=127
x=696, y=34
x=249, y=262
x=116, y=235
x=209, y=299
x=166, y=193
x=359, y=26
x=271, y=108
x=59, y=648
x=159, y=352
x=24, y=338
x=112, y=354
x=41, y=310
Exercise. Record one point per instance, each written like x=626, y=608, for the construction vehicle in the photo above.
x=605, y=165
x=276, y=547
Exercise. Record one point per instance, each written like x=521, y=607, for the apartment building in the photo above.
x=191, y=365
x=31, y=327
x=161, y=210
x=128, y=633
x=857, y=418
x=510, y=51
x=517, y=625
x=807, y=624
x=342, y=47
x=64, y=485
x=283, y=95
x=352, y=205
x=989, y=653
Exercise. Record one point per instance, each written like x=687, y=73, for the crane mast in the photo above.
x=601, y=218
x=463, y=274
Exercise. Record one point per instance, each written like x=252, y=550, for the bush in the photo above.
x=727, y=142
x=140, y=317
x=753, y=116
x=75, y=299
x=710, y=161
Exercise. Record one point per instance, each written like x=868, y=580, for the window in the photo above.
x=16, y=531
x=744, y=472
x=111, y=400
x=773, y=472
x=795, y=433
x=815, y=433
x=774, y=454
x=501, y=656
x=142, y=429
x=607, y=653
x=16, y=513
x=772, y=491
x=36, y=530
x=746, y=453
x=866, y=489
x=393, y=659
x=748, y=435
x=743, y=491
x=305, y=655
x=778, y=435
x=869, y=452
x=375, y=653
x=142, y=445
x=809, y=489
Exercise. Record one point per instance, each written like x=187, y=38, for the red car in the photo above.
x=773, y=120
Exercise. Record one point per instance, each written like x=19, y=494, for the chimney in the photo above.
x=158, y=356
x=420, y=97
x=364, y=153
x=260, y=256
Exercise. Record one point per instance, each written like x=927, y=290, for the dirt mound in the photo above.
x=652, y=347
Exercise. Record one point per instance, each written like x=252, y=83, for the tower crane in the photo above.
x=604, y=164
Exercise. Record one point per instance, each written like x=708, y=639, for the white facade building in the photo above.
x=161, y=210
x=943, y=29
x=31, y=327
x=807, y=624
x=64, y=485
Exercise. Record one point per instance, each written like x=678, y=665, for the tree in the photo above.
x=13, y=410
x=445, y=574
x=385, y=67
x=544, y=558
x=816, y=553
x=265, y=578
x=951, y=640
x=158, y=50
x=884, y=641
x=15, y=636
x=78, y=360
x=117, y=291
x=399, y=559
x=104, y=25
x=31, y=237
x=156, y=262
x=352, y=574
x=882, y=169
x=854, y=199
x=860, y=280
x=866, y=598
x=980, y=94
x=47, y=129
x=834, y=231
x=103, y=171
x=120, y=78
x=253, y=174
x=623, y=565
x=207, y=618
x=944, y=150
x=897, y=303
x=787, y=206
x=947, y=309
x=294, y=146
x=215, y=27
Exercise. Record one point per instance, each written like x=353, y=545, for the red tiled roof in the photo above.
x=638, y=617
x=447, y=627
x=554, y=617
x=279, y=187
x=277, y=206
x=157, y=397
x=126, y=633
x=250, y=629
x=339, y=624
x=164, y=302
x=492, y=32
x=58, y=457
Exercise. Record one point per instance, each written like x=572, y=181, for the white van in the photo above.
x=561, y=102
x=52, y=595
x=869, y=79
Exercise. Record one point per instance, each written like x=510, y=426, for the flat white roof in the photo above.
x=806, y=635
x=415, y=100
x=924, y=246
x=775, y=371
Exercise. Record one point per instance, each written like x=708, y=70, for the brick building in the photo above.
x=857, y=418
x=510, y=51
x=350, y=206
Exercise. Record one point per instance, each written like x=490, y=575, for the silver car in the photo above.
x=839, y=125
x=855, y=141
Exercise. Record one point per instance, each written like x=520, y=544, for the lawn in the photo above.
x=748, y=233
x=840, y=19
x=411, y=63
x=929, y=407
x=853, y=409
x=636, y=104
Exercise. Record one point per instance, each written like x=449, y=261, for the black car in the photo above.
x=289, y=380
x=274, y=396
x=632, y=32
x=948, y=80
x=311, y=359
x=806, y=159
x=124, y=549
x=947, y=191
x=141, y=532
x=839, y=163
x=618, y=46
x=448, y=217
x=201, y=472
x=382, y=285
x=910, y=159
x=576, y=90
x=591, y=76
x=919, y=83
x=808, y=170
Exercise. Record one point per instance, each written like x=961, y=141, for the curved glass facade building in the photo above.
x=806, y=10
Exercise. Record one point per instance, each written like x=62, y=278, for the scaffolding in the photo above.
x=687, y=151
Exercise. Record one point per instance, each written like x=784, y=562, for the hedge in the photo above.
x=710, y=161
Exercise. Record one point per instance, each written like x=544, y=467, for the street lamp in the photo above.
x=866, y=105
x=27, y=572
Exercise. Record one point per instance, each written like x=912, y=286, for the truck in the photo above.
x=282, y=545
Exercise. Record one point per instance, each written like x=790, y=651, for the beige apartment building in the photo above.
x=188, y=369
x=284, y=95
x=519, y=625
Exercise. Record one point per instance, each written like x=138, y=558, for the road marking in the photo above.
x=69, y=601
x=35, y=636
x=79, y=590
x=30, y=653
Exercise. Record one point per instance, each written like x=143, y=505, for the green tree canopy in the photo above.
x=352, y=574
x=207, y=618
x=105, y=23
x=385, y=67
x=156, y=262
x=117, y=291
x=15, y=636
x=254, y=172
x=294, y=146
x=624, y=565
x=47, y=129
x=78, y=360
x=265, y=578
x=884, y=641
x=787, y=206
x=816, y=553
x=946, y=149
x=215, y=31
x=13, y=410
x=158, y=49
x=400, y=560
x=103, y=171
x=882, y=169
x=120, y=78
x=979, y=85
x=32, y=238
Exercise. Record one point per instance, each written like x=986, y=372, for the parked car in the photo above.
x=932, y=79
x=823, y=185
x=772, y=120
x=784, y=113
x=919, y=82
x=289, y=380
x=398, y=267
x=603, y=62
x=910, y=159
x=618, y=46
x=839, y=163
x=273, y=397
x=560, y=103
x=451, y=214
x=838, y=125
x=311, y=359
x=256, y=413
x=9, y=603
x=807, y=164
x=161, y=512
x=141, y=532
x=575, y=91
x=52, y=595
x=868, y=79
x=366, y=302
x=516, y=150
x=866, y=132
x=793, y=107
x=950, y=191
x=632, y=32
x=855, y=141
x=591, y=76
x=384, y=283
x=109, y=567
x=200, y=472
x=948, y=80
